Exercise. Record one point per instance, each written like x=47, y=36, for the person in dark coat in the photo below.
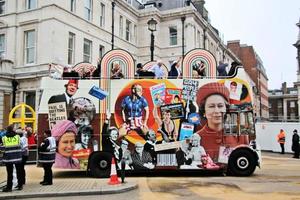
x=174, y=72
x=222, y=69
x=295, y=144
x=47, y=151
x=141, y=73
x=110, y=136
x=11, y=145
x=67, y=98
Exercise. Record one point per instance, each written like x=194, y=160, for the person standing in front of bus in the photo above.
x=295, y=144
x=11, y=145
x=132, y=110
x=47, y=157
x=25, y=152
x=65, y=132
x=212, y=99
x=281, y=140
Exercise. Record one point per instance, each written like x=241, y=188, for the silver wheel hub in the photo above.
x=103, y=163
x=242, y=162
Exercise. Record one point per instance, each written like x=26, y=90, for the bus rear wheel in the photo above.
x=100, y=164
x=242, y=162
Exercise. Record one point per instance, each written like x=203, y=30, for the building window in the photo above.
x=128, y=30
x=73, y=5
x=102, y=15
x=135, y=33
x=88, y=10
x=292, y=104
x=121, y=27
x=29, y=47
x=173, y=35
x=29, y=99
x=101, y=51
x=279, y=104
x=2, y=7
x=198, y=39
x=71, y=48
x=31, y=4
x=87, y=50
x=2, y=45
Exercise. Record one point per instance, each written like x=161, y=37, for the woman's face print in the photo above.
x=66, y=144
x=215, y=107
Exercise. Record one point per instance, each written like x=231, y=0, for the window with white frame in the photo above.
x=71, y=48
x=88, y=10
x=87, y=50
x=173, y=35
x=2, y=7
x=101, y=51
x=73, y=5
x=2, y=45
x=30, y=47
x=292, y=104
x=102, y=15
x=121, y=27
x=128, y=30
x=31, y=4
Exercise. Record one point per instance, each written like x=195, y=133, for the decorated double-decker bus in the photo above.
x=148, y=121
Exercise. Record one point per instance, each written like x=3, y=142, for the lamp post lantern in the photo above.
x=152, y=27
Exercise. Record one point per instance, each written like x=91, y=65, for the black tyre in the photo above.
x=100, y=164
x=242, y=162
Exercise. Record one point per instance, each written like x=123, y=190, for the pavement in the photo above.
x=76, y=183
x=65, y=183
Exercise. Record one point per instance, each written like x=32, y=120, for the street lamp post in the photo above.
x=152, y=27
x=113, y=4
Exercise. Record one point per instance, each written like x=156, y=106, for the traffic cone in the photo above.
x=113, y=173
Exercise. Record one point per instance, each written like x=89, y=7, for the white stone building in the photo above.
x=34, y=33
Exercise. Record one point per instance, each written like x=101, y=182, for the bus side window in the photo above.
x=246, y=123
x=243, y=123
x=230, y=124
x=227, y=124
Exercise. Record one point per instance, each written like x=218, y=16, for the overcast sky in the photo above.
x=268, y=26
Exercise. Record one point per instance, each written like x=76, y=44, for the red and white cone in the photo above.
x=113, y=173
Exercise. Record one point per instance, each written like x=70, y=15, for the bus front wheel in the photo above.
x=242, y=162
x=100, y=164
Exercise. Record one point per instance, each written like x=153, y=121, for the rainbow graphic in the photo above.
x=121, y=56
x=198, y=55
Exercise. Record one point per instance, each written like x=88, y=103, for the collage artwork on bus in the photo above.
x=145, y=123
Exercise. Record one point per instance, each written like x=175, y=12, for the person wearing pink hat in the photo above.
x=65, y=132
x=212, y=99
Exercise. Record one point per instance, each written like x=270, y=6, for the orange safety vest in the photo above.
x=281, y=137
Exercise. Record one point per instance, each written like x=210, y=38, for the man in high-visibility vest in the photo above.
x=11, y=145
x=281, y=140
